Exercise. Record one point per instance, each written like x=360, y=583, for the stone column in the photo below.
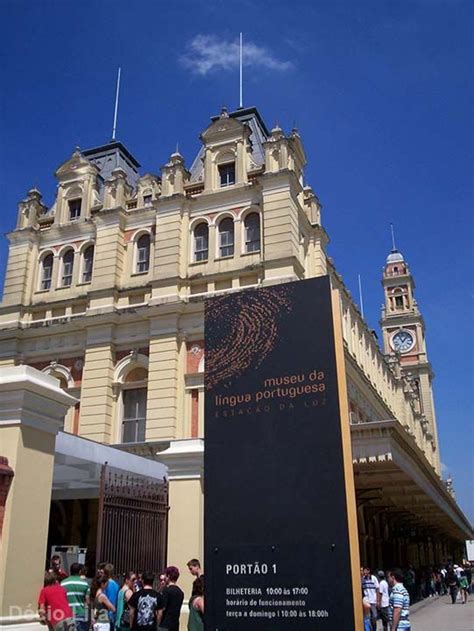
x=32, y=411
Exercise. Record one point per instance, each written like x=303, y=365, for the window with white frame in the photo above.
x=227, y=174
x=134, y=415
x=74, y=209
x=226, y=237
x=87, y=264
x=147, y=200
x=143, y=254
x=252, y=232
x=201, y=242
x=67, y=267
x=46, y=272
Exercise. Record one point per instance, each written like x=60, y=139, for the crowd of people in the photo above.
x=386, y=596
x=138, y=602
x=145, y=602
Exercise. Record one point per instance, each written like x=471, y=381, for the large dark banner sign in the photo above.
x=277, y=552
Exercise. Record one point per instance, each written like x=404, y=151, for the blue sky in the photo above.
x=380, y=92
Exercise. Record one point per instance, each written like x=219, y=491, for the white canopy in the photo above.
x=78, y=462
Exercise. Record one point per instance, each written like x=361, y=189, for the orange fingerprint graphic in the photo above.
x=244, y=330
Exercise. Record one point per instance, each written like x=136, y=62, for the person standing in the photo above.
x=370, y=586
x=56, y=567
x=146, y=606
x=399, y=602
x=452, y=582
x=196, y=606
x=111, y=591
x=173, y=598
x=77, y=590
x=382, y=599
x=122, y=618
x=194, y=567
x=464, y=586
x=101, y=604
x=53, y=607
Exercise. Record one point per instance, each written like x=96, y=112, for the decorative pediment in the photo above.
x=224, y=126
x=76, y=163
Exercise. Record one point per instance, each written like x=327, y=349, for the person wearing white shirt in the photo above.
x=383, y=599
x=370, y=586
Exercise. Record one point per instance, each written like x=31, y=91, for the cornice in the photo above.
x=184, y=459
x=22, y=236
x=228, y=198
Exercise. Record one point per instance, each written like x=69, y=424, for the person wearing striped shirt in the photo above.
x=399, y=604
x=77, y=590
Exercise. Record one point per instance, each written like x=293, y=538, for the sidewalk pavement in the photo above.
x=438, y=614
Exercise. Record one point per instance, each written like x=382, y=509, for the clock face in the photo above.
x=403, y=341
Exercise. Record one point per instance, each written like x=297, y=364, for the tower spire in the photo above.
x=241, y=100
x=394, y=247
x=361, y=300
x=116, y=104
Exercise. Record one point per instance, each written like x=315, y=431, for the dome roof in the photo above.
x=395, y=257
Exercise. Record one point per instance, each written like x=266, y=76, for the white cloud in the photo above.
x=206, y=53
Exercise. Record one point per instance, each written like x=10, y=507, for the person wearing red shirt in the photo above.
x=53, y=606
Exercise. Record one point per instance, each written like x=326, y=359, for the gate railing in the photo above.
x=132, y=530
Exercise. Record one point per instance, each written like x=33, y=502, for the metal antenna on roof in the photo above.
x=394, y=247
x=116, y=103
x=241, y=101
x=360, y=297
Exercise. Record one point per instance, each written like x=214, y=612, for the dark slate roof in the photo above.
x=112, y=155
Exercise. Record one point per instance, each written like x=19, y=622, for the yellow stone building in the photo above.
x=105, y=291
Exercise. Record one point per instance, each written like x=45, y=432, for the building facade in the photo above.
x=105, y=290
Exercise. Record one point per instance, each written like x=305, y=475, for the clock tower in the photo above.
x=403, y=331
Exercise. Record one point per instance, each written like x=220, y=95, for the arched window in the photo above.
x=252, y=232
x=201, y=242
x=67, y=268
x=46, y=272
x=226, y=237
x=87, y=264
x=143, y=254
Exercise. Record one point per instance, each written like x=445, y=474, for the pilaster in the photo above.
x=163, y=377
x=97, y=397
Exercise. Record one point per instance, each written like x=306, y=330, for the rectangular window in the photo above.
x=201, y=249
x=227, y=244
x=134, y=415
x=399, y=302
x=147, y=201
x=74, y=209
x=143, y=260
x=68, y=264
x=227, y=174
x=87, y=269
x=47, y=274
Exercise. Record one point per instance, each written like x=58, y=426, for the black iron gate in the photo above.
x=132, y=529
